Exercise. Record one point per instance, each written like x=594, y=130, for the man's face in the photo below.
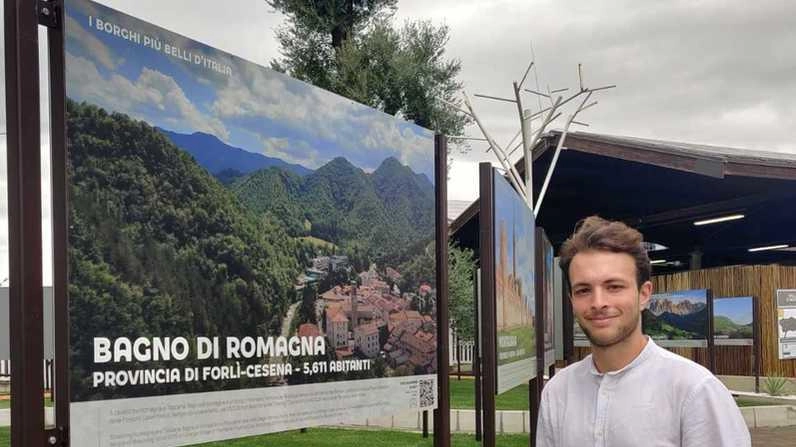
x=606, y=300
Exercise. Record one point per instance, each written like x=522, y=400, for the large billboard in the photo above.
x=514, y=241
x=678, y=319
x=247, y=253
x=733, y=321
x=786, y=323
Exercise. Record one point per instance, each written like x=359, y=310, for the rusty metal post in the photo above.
x=442, y=415
x=24, y=222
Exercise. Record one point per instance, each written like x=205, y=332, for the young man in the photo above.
x=629, y=392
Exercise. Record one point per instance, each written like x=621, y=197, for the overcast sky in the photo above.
x=712, y=72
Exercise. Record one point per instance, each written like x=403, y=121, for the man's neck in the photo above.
x=616, y=357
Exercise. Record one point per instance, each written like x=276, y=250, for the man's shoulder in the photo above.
x=680, y=369
x=678, y=363
x=573, y=372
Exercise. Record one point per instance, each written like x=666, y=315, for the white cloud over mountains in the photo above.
x=152, y=93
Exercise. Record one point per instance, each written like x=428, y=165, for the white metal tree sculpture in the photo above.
x=528, y=136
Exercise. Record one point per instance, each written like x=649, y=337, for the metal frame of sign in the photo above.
x=442, y=435
x=22, y=19
x=23, y=136
x=536, y=385
x=755, y=337
x=488, y=317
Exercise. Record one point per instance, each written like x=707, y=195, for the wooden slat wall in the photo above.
x=734, y=361
x=760, y=281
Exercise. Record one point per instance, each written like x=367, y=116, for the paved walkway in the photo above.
x=774, y=437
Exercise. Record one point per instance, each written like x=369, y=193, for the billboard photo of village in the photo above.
x=368, y=316
x=211, y=197
x=681, y=316
x=514, y=287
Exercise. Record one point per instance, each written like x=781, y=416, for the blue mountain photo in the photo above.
x=218, y=157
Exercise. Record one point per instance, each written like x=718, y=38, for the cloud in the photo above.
x=463, y=180
x=318, y=120
x=704, y=72
x=90, y=44
x=153, y=96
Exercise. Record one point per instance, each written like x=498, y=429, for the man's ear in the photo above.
x=644, y=294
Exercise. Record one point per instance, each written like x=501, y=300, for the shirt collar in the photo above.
x=645, y=353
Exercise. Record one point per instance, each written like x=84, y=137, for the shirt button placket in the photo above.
x=602, y=413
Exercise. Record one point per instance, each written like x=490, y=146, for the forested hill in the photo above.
x=158, y=247
x=389, y=213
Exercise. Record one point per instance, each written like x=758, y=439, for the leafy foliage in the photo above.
x=158, y=247
x=402, y=71
x=273, y=193
x=775, y=385
x=334, y=19
x=461, y=267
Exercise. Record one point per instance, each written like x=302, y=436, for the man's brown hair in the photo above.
x=596, y=233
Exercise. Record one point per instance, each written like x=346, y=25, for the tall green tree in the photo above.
x=359, y=53
x=461, y=267
x=335, y=19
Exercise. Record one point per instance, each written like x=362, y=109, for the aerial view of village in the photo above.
x=369, y=316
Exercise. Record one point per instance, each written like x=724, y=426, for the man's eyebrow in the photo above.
x=615, y=280
x=581, y=284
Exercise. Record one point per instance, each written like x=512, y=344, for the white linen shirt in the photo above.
x=659, y=399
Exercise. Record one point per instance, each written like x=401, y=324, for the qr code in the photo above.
x=427, y=394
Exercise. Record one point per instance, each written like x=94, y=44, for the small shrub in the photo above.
x=775, y=385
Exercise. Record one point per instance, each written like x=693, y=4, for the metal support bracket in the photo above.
x=49, y=13
x=56, y=437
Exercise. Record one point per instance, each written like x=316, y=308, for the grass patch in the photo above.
x=6, y=403
x=463, y=396
x=317, y=242
x=332, y=437
x=744, y=402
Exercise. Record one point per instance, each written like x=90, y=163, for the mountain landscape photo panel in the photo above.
x=733, y=318
x=681, y=315
x=224, y=217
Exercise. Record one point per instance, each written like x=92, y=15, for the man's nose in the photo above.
x=598, y=299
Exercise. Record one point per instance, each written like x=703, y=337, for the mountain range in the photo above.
x=387, y=212
x=684, y=307
x=723, y=325
x=221, y=158
x=676, y=326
